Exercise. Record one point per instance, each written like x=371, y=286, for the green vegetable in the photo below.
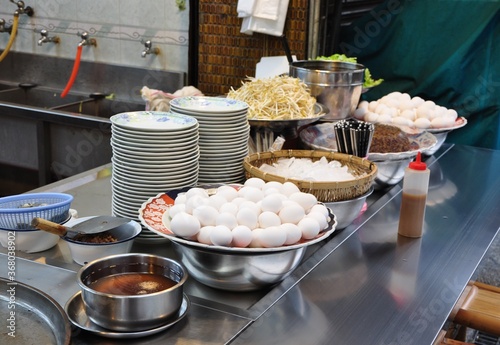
x=369, y=81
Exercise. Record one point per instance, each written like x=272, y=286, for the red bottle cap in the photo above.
x=418, y=164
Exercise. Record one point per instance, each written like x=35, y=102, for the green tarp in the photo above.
x=444, y=51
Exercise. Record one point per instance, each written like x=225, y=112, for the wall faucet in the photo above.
x=149, y=49
x=46, y=38
x=22, y=9
x=4, y=27
x=86, y=40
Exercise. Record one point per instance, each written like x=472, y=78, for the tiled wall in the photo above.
x=117, y=25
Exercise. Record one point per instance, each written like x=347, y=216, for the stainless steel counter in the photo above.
x=365, y=285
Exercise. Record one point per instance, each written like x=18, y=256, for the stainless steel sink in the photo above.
x=95, y=104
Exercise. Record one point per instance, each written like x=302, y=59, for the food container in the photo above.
x=131, y=312
x=364, y=170
x=348, y=210
x=84, y=252
x=17, y=211
x=337, y=85
x=28, y=241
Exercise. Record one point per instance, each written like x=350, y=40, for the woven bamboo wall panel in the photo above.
x=226, y=56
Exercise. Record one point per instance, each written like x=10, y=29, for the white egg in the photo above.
x=242, y=236
x=221, y=236
x=372, y=106
x=180, y=199
x=406, y=105
x=293, y=233
x=271, y=190
x=384, y=118
x=306, y=200
x=400, y=120
x=292, y=213
x=404, y=97
x=194, y=202
x=267, y=219
x=363, y=105
x=309, y=227
x=320, y=208
x=256, y=238
x=289, y=188
x=442, y=122
x=371, y=117
x=381, y=109
x=251, y=193
x=174, y=209
x=255, y=182
x=206, y=214
x=320, y=217
x=422, y=122
x=238, y=201
x=197, y=191
x=360, y=113
x=272, y=202
x=229, y=207
x=409, y=114
x=273, y=184
x=452, y=113
x=227, y=219
x=204, y=234
x=273, y=236
x=227, y=192
x=429, y=104
x=250, y=204
x=185, y=225
x=216, y=201
x=248, y=217
x=417, y=101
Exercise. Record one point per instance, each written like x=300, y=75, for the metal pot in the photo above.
x=131, y=312
x=337, y=85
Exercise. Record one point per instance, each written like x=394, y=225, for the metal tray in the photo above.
x=31, y=316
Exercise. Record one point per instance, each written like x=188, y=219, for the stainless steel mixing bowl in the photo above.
x=337, y=85
x=348, y=210
x=390, y=172
x=236, y=271
x=131, y=312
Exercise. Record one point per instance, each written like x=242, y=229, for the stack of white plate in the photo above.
x=153, y=152
x=224, y=133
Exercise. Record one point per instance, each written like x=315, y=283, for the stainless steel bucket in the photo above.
x=337, y=85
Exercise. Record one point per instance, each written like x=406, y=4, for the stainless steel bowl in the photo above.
x=348, y=210
x=337, y=85
x=131, y=312
x=390, y=172
x=235, y=271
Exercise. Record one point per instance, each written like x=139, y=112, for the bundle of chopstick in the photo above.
x=353, y=137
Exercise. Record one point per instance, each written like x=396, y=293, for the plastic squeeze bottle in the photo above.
x=415, y=187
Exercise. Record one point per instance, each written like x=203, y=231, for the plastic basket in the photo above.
x=328, y=191
x=16, y=214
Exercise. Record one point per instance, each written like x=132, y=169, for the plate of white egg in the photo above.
x=402, y=109
x=256, y=216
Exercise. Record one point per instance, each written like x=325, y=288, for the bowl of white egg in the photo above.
x=414, y=112
x=239, y=237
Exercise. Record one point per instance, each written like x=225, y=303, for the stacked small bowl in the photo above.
x=152, y=152
x=224, y=133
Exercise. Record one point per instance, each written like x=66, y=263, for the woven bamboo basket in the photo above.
x=328, y=191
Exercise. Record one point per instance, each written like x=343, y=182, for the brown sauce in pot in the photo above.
x=132, y=284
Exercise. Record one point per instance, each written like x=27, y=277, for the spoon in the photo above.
x=93, y=225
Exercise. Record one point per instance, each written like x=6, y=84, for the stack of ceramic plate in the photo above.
x=152, y=152
x=224, y=132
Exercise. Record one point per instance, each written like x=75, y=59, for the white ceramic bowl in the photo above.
x=83, y=252
x=28, y=241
